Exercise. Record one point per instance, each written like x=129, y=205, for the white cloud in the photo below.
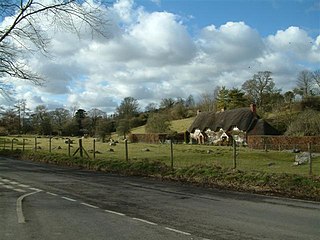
x=233, y=42
x=163, y=39
x=124, y=10
x=151, y=55
x=295, y=42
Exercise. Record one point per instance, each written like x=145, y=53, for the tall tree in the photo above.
x=316, y=79
x=236, y=99
x=24, y=31
x=80, y=116
x=95, y=115
x=207, y=100
x=167, y=103
x=230, y=99
x=41, y=120
x=22, y=112
x=158, y=123
x=60, y=117
x=129, y=107
x=305, y=84
x=104, y=128
x=123, y=127
x=222, y=99
x=190, y=103
x=151, y=107
x=259, y=86
x=10, y=121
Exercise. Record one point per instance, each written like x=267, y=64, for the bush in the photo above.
x=307, y=123
x=158, y=123
x=311, y=103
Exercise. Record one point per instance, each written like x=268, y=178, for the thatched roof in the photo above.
x=243, y=118
x=263, y=128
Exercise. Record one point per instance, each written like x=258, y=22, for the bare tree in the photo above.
x=259, y=86
x=304, y=84
x=316, y=78
x=95, y=115
x=21, y=30
x=208, y=99
x=21, y=109
x=129, y=107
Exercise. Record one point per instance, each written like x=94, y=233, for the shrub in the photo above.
x=307, y=123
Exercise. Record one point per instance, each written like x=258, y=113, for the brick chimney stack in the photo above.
x=253, y=108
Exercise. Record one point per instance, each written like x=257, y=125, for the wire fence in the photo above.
x=269, y=158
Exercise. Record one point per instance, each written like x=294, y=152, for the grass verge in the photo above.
x=208, y=175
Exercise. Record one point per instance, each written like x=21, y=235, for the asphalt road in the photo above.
x=39, y=201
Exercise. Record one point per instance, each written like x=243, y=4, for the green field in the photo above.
x=176, y=126
x=183, y=154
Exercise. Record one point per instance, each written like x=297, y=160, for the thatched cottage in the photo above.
x=245, y=119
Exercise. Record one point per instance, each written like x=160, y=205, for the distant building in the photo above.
x=245, y=119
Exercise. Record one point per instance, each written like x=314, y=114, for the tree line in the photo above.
x=260, y=89
x=24, y=35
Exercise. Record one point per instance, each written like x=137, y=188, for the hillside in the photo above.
x=176, y=126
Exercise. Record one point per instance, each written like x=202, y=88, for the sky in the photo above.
x=174, y=48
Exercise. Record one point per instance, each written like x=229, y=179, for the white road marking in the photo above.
x=144, y=221
x=178, y=231
x=19, y=190
x=35, y=189
x=69, y=199
x=20, y=215
x=113, y=212
x=21, y=218
x=89, y=205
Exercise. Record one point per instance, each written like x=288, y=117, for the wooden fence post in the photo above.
x=80, y=147
x=50, y=138
x=35, y=144
x=310, y=158
x=171, y=153
x=23, y=144
x=234, y=153
x=94, y=148
x=126, y=149
x=69, y=147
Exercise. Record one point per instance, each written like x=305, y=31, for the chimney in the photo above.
x=253, y=108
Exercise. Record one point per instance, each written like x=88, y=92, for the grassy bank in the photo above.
x=209, y=175
x=184, y=155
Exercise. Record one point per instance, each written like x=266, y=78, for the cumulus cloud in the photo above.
x=231, y=43
x=296, y=42
x=151, y=55
x=163, y=39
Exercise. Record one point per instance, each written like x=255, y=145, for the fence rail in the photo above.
x=284, y=142
x=265, y=157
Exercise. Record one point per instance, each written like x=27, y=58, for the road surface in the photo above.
x=40, y=201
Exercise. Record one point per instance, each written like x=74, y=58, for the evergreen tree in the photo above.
x=236, y=99
x=222, y=99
